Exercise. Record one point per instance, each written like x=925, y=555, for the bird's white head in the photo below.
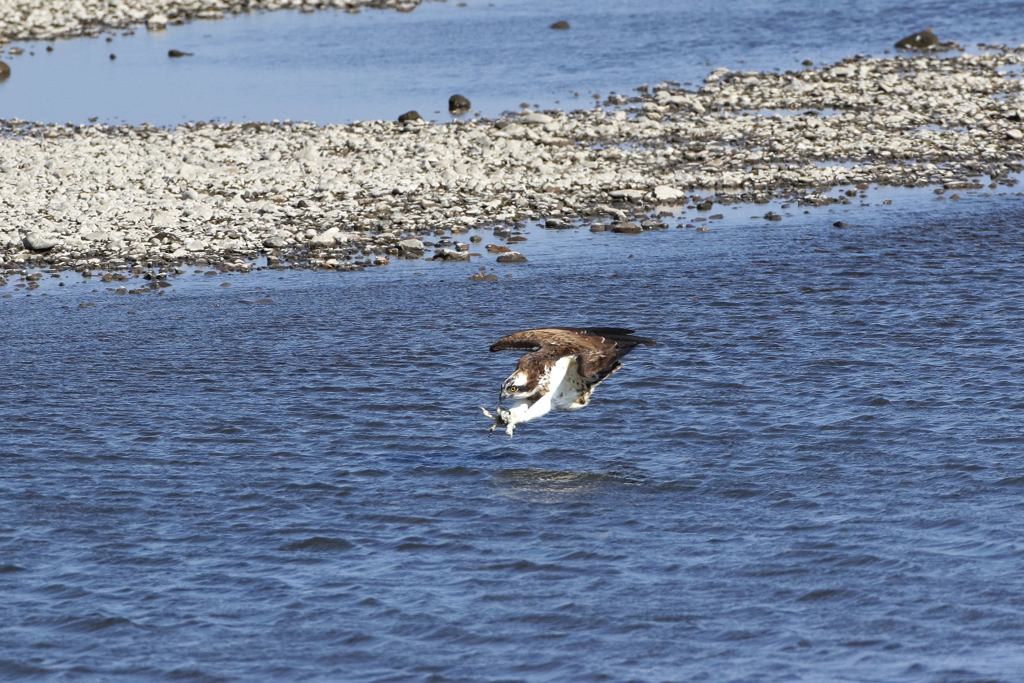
x=517, y=386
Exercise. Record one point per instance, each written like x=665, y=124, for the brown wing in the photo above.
x=570, y=339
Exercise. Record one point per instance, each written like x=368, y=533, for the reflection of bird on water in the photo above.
x=561, y=373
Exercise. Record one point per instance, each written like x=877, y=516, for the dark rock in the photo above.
x=411, y=248
x=495, y=249
x=807, y=62
x=718, y=217
x=410, y=116
x=918, y=41
x=502, y=232
x=5, y=70
x=178, y=53
x=512, y=257
x=772, y=216
x=476, y=239
x=560, y=25
x=840, y=224
x=458, y=103
x=450, y=255
x=627, y=228
x=480, y=277
x=598, y=227
x=112, y=56
x=556, y=224
x=705, y=206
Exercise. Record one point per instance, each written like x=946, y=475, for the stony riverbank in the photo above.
x=351, y=196
x=50, y=19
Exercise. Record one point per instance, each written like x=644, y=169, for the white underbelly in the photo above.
x=568, y=387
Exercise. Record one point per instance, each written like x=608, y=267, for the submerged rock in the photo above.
x=5, y=70
x=458, y=104
x=512, y=257
x=918, y=41
x=560, y=25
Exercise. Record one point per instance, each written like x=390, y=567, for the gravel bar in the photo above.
x=350, y=196
x=50, y=19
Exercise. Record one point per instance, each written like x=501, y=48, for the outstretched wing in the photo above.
x=594, y=365
x=570, y=339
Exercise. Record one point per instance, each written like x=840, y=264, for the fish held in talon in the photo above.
x=564, y=367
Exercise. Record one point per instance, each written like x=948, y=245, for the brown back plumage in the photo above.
x=597, y=349
x=573, y=338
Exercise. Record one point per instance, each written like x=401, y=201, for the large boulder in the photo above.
x=450, y=255
x=664, y=193
x=512, y=257
x=411, y=248
x=918, y=41
x=458, y=104
x=37, y=241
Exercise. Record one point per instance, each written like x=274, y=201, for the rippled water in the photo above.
x=332, y=67
x=816, y=476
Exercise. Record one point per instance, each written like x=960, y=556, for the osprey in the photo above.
x=561, y=373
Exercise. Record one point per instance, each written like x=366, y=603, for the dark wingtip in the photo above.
x=621, y=334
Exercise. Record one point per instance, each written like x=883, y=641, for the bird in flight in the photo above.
x=564, y=367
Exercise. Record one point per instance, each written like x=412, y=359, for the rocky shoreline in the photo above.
x=345, y=197
x=52, y=19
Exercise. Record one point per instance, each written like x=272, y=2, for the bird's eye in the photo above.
x=513, y=388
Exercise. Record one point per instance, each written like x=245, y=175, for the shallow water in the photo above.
x=815, y=476
x=333, y=67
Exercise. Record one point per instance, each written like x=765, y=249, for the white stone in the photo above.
x=328, y=238
x=535, y=117
x=666, y=193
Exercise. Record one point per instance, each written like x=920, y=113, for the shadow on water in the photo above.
x=553, y=486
